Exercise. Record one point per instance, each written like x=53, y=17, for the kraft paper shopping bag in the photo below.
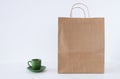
x=80, y=44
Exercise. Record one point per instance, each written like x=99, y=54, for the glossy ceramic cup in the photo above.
x=35, y=64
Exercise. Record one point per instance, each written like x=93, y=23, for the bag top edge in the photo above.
x=82, y=18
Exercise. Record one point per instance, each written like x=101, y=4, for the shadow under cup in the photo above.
x=35, y=64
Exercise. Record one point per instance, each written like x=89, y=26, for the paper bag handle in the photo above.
x=73, y=7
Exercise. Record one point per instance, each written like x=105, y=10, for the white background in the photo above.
x=29, y=29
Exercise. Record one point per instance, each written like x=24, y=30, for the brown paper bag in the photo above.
x=80, y=45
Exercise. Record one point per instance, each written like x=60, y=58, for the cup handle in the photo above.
x=29, y=63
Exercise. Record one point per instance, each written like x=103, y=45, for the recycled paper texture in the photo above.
x=80, y=45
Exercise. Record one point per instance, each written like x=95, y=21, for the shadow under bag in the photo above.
x=80, y=44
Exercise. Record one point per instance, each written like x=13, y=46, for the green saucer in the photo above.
x=40, y=70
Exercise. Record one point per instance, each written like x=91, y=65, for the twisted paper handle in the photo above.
x=73, y=7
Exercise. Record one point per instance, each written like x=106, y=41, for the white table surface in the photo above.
x=18, y=70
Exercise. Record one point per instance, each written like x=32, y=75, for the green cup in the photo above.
x=35, y=64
